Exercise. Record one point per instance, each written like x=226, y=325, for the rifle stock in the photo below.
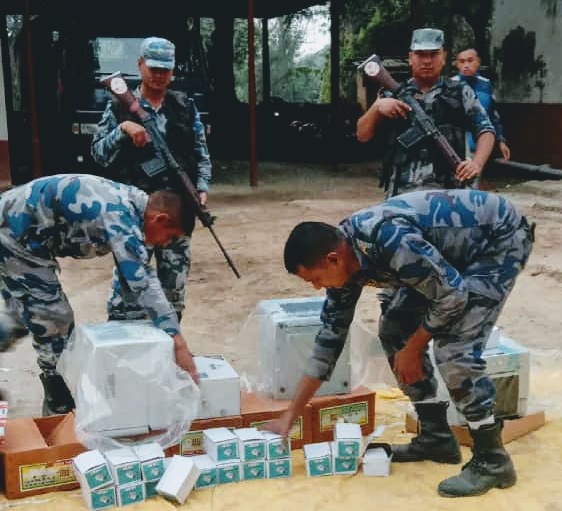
x=164, y=160
x=422, y=125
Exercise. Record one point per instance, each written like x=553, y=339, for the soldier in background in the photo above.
x=82, y=216
x=454, y=108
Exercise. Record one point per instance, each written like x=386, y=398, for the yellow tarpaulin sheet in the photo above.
x=410, y=486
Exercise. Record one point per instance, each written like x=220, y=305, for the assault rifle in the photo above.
x=164, y=159
x=422, y=125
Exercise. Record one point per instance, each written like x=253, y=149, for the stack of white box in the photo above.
x=221, y=445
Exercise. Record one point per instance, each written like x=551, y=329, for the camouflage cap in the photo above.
x=427, y=39
x=158, y=52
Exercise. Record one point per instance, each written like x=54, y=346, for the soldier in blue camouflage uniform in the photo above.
x=121, y=145
x=82, y=216
x=454, y=108
x=453, y=257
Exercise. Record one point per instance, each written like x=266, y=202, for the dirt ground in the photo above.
x=253, y=224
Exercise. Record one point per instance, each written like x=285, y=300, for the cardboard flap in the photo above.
x=63, y=432
x=22, y=434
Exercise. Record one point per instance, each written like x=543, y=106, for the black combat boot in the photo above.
x=490, y=466
x=57, y=396
x=435, y=440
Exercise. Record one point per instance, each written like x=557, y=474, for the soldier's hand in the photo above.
x=468, y=169
x=136, y=132
x=504, y=149
x=408, y=365
x=184, y=357
x=282, y=426
x=393, y=108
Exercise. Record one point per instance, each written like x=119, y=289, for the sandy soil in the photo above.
x=253, y=224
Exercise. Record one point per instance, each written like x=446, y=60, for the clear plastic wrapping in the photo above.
x=127, y=386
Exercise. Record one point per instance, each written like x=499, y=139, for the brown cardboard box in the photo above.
x=257, y=410
x=512, y=428
x=191, y=442
x=37, y=455
x=358, y=406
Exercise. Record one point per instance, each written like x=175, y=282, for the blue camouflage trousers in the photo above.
x=458, y=349
x=172, y=267
x=33, y=294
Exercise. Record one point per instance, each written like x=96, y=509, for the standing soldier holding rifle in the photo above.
x=416, y=163
x=124, y=146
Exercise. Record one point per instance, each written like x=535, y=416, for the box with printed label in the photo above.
x=342, y=465
x=101, y=498
x=276, y=446
x=228, y=472
x=277, y=468
x=348, y=440
x=178, y=479
x=92, y=470
x=253, y=470
x=318, y=459
x=220, y=444
x=376, y=459
x=37, y=455
x=219, y=384
x=207, y=471
x=356, y=407
x=191, y=442
x=130, y=493
x=124, y=464
x=251, y=444
x=257, y=410
x=151, y=457
x=150, y=489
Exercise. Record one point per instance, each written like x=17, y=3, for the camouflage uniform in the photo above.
x=455, y=109
x=179, y=121
x=78, y=216
x=454, y=257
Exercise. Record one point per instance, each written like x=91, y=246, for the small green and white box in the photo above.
x=178, y=479
x=229, y=472
x=318, y=459
x=124, y=465
x=100, y=498
x=151, y=457
x=376, y=459
x=253, y=470
x=130, y=493
x=276, y=446
x=251, y=444
x=348, y=439
x=91, y=470
x=342, y=465
x=280, y=467
x=220, y=444
x=208, y=471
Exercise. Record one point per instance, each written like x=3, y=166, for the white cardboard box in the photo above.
x=278, y=468
x=124, y=465
x=348, y=440
x=179, y=479
x=220, y=387
x=229, y=472
x=220, y=444
x=151, y=457
x=91, y=470
x=318, y=459
x=276, y=447
x=286, y=339
x=376, y=460
x=207, y=471
x=100, y=498
x=342, y=465
x=251, y=444
x=130, y=493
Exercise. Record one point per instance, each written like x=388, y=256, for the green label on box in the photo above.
x=348, y=448
x=128, y=473
x=152, y=470
x=150, y=488
x=279, y=468
x=227, y=451
x=98, y=476
x=207, y=478
x=131, y=493
x=46, y=475
x=103, y=498
x=254, y=451
x=229, y=474
x=345, y=465
x=254, y=470
x=278, y=449
x=320, y=466
x=296, y=432
x=357, y=413
x=192, y=443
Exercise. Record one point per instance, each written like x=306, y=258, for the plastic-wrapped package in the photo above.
x=126, y=385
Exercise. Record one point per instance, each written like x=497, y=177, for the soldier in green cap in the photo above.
x=454, y=108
